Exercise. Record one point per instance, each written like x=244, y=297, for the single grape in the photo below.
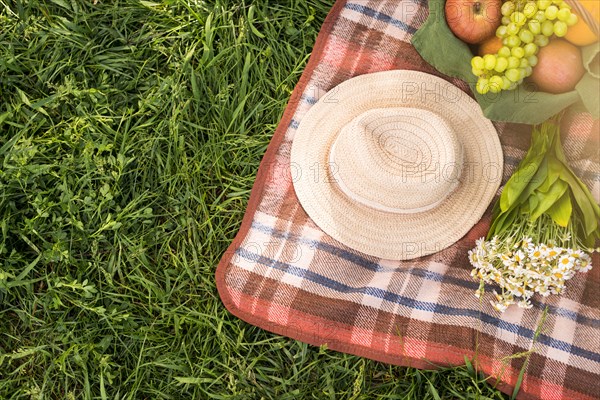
x=519, y=4
x=513, y=74
x=483, y=85
x=512, y=28
x=543, y=4
x=526, y=36
x=519, y=18
x=563, y=4
x=501, y=31
x=524, y=63
x=504, y=51
x=560, y=28
x=534, y=26
x=506, y=83
x=489, y=61
x=501, y=64
x=563, y=14
x=507, y=8
x=530, y=49
x=513, y=62
x=547, y=28
x=573, y=19
x=477, y=62
x=518, y=52
x=505, y=20
x=528, y=70
x=523, y=73
x=530, y=9
x=495, y=83
x=513, y=41
x=477, y=72
x=542, y=40
x=533, y=60
x=552, y=12
x=540, y=16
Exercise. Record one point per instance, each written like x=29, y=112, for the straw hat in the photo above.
x=396, y=164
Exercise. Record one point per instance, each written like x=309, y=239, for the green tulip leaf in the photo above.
x=590, y=211
x=540, y=177
x=547, y=200
x=561, y=210
x=531, y=204
x=519, y=181
x=500, y=223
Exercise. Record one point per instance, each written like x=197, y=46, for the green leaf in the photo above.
x=251, y=23
x=590, y=211
x=555, y=166
x=561, y=210
x=469, y=366
x=193, y=381
x=62, y=3
x=519, y=181
x=533, y=203
x=536, y=181
x=547, y=184
x=548, y=199
x=149, y=4
x=502, y=221
x=23, y=97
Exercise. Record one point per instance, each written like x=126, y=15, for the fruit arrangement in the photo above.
x=523, y=39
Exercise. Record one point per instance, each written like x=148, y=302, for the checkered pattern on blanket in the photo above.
x=283, y=274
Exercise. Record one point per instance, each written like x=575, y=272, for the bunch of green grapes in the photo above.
x=526, y=26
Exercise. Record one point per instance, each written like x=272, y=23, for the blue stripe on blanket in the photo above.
x=309, y=99
x=369, y=12
x=429, y=275
x=419, y=305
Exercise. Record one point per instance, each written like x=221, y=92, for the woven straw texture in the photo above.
x=387, y=157
x=283, y=274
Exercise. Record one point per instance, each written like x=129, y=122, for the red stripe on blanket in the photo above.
x=412, y=353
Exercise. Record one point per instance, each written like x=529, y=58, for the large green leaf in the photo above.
x=561, y=210
x=519, y=181
x=547, y=200
x=532, y=203
x=538, y=180
x=590, y=211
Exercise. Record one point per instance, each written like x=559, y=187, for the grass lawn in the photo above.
x=130, y=136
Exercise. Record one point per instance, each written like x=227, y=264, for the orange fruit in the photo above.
x=580, y=34
x=559, y=67
x=490, y=46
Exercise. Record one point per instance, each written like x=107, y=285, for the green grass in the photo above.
x=130, y=136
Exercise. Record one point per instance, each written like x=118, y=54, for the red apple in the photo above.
x=559, y=67
x=473, y=21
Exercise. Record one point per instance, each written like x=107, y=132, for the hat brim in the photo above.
x=379, y=233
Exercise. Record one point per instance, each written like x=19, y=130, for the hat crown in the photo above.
x=400, y=159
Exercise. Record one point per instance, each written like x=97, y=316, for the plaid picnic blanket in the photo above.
x=283, y=274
